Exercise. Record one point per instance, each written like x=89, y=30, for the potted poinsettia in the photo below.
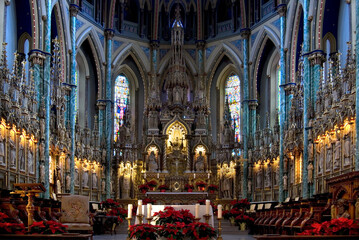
x=148, y=200
x=143, y=231
x=143, y=188
x=163, y=188
x=173, y=231
x=337, y=226
x=201, y=185
x=47, y=227
x=152, y=184
x=212, y=188
x=243, y=221
x=199, y=230
x=188, y=187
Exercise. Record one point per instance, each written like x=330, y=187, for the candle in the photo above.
x=208, y=202
x=129, y=214
x=139, y=207
x=158, y=175
x=149, y=209
x=194, y=175
x=219, y=211
x=196, y=212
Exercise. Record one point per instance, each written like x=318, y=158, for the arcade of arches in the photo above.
x=256, y=97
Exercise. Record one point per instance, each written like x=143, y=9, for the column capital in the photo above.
x=155, y=44
x=245, y=32
x=289, y=88
x=317, y=57
x=282, y=10
x=74, y=9
x=253, y=104
x=7, y=2
x=37, y=57
x=109, y=33
x=101, y=104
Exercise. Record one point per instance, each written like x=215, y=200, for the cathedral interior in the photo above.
x=257, y=97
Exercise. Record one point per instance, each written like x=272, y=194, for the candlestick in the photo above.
x=197, y=219
x=219, y=211
x=130, y=208
x=139, y=207
x=196, y=211
x=219, y=229
x=140, y=218
x=149, y=209
x=149, y=220
x=206, y=217
x=208, y=203
x=129, y=224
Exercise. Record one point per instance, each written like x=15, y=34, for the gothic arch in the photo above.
x=216, y=56
x=333, y=42
x=174, y=120
x=190, y=63
x=265, y=33
x=21, y=42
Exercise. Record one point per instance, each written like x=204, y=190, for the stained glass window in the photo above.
x=233, y=96
x=122, y=93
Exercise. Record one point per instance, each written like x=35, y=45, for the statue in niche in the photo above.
x=292, y=174
x=42, y=173
x=343, y=209
x=12, y=153
x=152, y=120
x=68, y=182
x=346, y=150
x=103, y=185
x=337, y=153
x=310, y=151
x=310, y=169
x=227, y=183
x=200, y=162
x=58, y=179
x=2, y=150
x=21, y=157
x=126, y=183
x=152, y=162
x=329, y=158
x=30, y=158
x=227, y=134
x=268, y=177
x=259, y=178
x=94, y=180
x=249, y=186
x=42, y=150
x=285, y=182
x=177, y=95
x=85, y=178
x=77, y=177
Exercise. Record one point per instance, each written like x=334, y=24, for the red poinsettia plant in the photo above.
x=148, y=200
x=109, y=203
x=201, y=184
x=337, y=226
x=199, y=230
x=241, y=204
x=7, y=227
x=168, y=215
x=121, y=213
x=143, y=231
x=243, y=218
x=152, y=184
x=47, y=227
x=163, y=187
x=172, y=231
x=143, y=188
x=188, y=187
x=212, y=187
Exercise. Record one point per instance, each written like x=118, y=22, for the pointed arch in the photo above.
x=265, y=33
x=21, y=42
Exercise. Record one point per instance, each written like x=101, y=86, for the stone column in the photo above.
x=101, y=107
x=36, y=57
x=306, y=100
x=357, y=84
x=109, y=118
x=282, y=10
x=245, y=33
x=46, y=96
x=73, y=94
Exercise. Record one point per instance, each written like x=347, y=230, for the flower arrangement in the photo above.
x=121, y=213
x=109, y=204
x=148, y=200
x=212, y=188
x=201, y=184
x=17, y=228
x=199, y=230
x=241, y=204
x=169, y=215
x=152, y=184
x=143, y=188
x=173, y=231
x=163, y=188
x=187, y=216
x=243, y=218
x=143, y=231
x=338, y=226
x=188, y=187
x=47, y=227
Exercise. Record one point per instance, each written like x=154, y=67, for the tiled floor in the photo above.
x=123, y=237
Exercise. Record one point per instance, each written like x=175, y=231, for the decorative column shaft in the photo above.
x=47, y=96
x=245, y=35
x=306, y=86
x=109, y=35
x=36, y=57
x=357, y=85
x=282, y=9
x=73, y=94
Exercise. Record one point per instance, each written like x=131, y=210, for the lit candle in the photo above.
x=219, y=211
x=194, y=175
x=196, y=212
x=208, y=203
x=130, y=207
x=149, y=209
x=158, y=175
x=139, y=207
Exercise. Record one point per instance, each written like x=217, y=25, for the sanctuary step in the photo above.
x=228, y=229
